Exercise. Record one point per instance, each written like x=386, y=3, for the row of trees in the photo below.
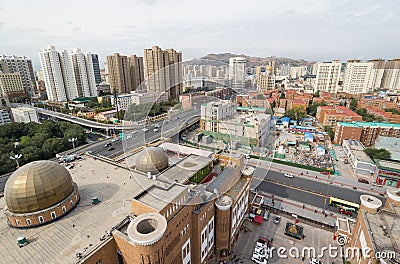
x=36, y=141
x=378, y=153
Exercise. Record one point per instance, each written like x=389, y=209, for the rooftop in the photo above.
x=84, y=225
x=158, y=197
x=80, y=230
x=369, y=124
x=358, y=150
x=385, y=230
x=186, y=168
x=388, y=165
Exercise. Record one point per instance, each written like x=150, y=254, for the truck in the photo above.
x=68, y=158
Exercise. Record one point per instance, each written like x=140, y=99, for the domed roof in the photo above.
x=151, y=159
x=37, y=186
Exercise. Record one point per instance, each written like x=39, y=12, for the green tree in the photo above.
x=316, y=94
x=378, y=153
x=312, y=109
x=353, y=104
x=330, y=131
x=52, y=146
x=296, y=113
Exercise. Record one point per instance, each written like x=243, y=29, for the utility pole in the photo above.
x=73, y=141
x=115, y=93
x=16, y=157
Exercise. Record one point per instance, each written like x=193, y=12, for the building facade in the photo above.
x=327, y=76
x=237, y=73
x=163, y=71
x=24, y=115
x=357, y=77
x=67, y=75
x=330, y=115
x=365, y=132
x=391, y=76
x=23, y=66
x=96, y=67
x=11, y=86
x=361, y=163
x=376, y=74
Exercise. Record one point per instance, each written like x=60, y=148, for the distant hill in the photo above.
x=223, y=59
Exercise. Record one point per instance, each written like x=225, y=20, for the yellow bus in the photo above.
x=349, y=206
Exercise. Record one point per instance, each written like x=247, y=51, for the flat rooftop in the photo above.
x=389, y=165
x=385, y=229
x=186, y=168
x=357, y=149
x=80, y=230
x=158, y=197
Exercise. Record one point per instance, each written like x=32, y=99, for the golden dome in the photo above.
x=37, y=186
x=269, y=68
x=152, y=160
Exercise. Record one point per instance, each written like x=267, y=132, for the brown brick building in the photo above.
x=365, y=132
x=330, y=115
x=143, y=215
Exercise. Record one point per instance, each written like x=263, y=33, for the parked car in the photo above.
x=277, y=220
x=289, y=175
x=155, y=129
x=343, y=211
x=247, y=156
x=145, y=129
x=362, y=180
x=107, y=145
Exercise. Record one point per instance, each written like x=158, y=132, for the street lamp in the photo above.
x=73, y=141
x=16, y=158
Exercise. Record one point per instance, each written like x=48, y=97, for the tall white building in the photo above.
x=296, y=72
x=357, y=77
x=327, y=77
x=237, y=74
x=53, y=74
x=391, y=76
x=23, y=66
x=376, y=74
x=68, y=75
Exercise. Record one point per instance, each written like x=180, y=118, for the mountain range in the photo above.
x=223, y=59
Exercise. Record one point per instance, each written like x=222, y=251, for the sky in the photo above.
x=315, y=30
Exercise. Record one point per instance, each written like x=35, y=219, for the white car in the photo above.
x=259, y=259
x=145, y=129
x=247, y=156
x=155, y=129
x=289, y=175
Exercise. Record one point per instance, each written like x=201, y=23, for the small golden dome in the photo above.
x=152, y=160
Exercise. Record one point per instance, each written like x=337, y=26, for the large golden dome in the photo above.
x=37, y=186
x=152, y=160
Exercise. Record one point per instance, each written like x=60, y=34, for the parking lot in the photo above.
x=313, y=238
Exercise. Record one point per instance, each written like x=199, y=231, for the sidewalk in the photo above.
x=316, y=176
x=310, y=213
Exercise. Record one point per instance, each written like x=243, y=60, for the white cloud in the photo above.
x=310, y=29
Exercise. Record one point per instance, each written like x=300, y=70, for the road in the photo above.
x=303, y=190
x=137, y=138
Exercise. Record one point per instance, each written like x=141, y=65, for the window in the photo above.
x=16, y=222
x=99, y=262
x=64, y=209
x=41, y=220
x=28, y=222
x=53, y=215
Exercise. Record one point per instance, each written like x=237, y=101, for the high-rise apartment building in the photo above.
x=212, y=71
x=376, y=74
x=67, y=75
x=357, y=77
x=118, y=73
x=163, y=71
x=237, y=74
x=23, y=66
x=96, y=67
x=327, y=77
x=124, y=73
x=391, y=76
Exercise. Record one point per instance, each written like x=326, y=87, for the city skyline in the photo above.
x=322, y=31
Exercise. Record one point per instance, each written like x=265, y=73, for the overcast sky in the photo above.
x=308, y=29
